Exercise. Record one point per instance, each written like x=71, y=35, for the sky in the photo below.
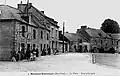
x=76, y=13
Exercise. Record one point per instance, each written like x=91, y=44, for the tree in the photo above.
x=110, y=26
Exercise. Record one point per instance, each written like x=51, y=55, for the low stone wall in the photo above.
x=107, y=59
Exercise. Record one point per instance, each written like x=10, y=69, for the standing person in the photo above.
x=13, y=56
x=33, y=50
x=19, y=56
x=37, y=52
x=44, y=51
x=27, y=55
x=49, y=51
x=34, y=53
x=22, y=53
x=85, y=50
x=75, y=48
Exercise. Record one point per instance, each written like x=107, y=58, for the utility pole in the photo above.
x=63, y=35
x=5, y=2
x=27, y=6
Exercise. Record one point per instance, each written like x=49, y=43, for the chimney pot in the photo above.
x=21, y=2
x=83, y=27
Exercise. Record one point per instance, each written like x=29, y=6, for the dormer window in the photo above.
x=26, y=18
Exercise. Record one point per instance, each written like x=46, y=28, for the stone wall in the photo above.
x=6, y=39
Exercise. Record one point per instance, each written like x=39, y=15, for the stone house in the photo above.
x=54, y=33
x=23, y=27
x=15, y=33
x=48, y=28
x=38, y=19
x=95, y=38
x=115, y=41
x=73, y=41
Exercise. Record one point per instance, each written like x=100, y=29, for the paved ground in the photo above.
x=69, y=62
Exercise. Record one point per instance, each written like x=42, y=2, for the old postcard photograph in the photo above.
x=59, y=38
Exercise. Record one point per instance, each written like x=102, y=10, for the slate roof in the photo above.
x=52, y=21
x=71, y=36
x=115, y=36
x=61, y=38
x=38, y=18
x=8, y=12
x=96, y=33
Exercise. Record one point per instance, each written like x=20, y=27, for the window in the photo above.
x=95, y=42
x=44, y=46
x=22, y=46
x=28, y=46
x=101, y=41
x=47, y=36
x=112, y=42
x=56, y=44
x=33, y=45
x=56, y=33
x=41, y=46
x=52, y=32
x=23, y=31
x=80, y=40
x=106, y=44
x=34, y=34
x=47, y=46
x=117, y=42
x=41, y=34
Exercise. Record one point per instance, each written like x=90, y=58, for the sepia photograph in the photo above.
x=59, y=38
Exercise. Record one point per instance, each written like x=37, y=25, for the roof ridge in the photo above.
x=2, y=4
x=12, y=7
x=10, y=11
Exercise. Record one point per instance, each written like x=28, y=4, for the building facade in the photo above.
x=38, y=19
x=96, y=38
x=25, y=27
x=54, y=34
x=16, y=33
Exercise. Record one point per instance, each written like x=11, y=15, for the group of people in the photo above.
x=31, y=54
x=48, y=51
x=21, y=55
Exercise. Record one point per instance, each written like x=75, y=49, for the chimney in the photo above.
x=22, y=6
x=21, y=2
x=83, y=27
x=42, y=12
x=77, y=31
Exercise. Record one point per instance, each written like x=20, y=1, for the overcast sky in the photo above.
x=76, y=12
